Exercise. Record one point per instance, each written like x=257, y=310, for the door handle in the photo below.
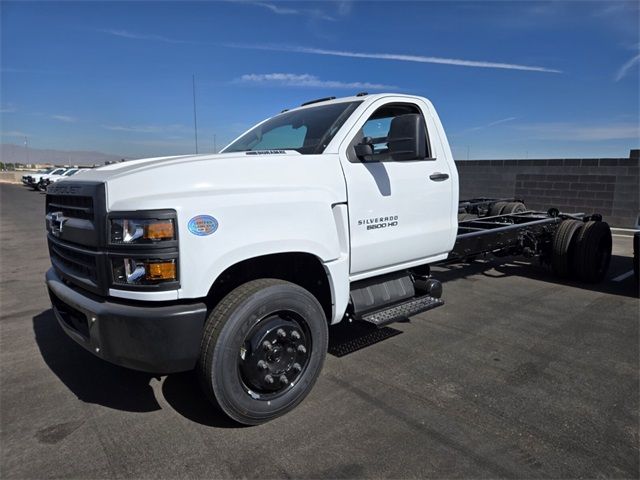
x=438, y=177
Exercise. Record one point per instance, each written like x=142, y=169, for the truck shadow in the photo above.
x=182, y=392
x=93, y=380
x=503, y=267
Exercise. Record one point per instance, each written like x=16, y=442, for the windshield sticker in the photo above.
x=265, y=152
x=202, y=225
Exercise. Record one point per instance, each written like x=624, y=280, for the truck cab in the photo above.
x=237, y=263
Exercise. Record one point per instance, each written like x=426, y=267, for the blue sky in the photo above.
x=509, y=79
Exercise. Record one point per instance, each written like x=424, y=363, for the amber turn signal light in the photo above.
x=161, y=271
x=159, y=230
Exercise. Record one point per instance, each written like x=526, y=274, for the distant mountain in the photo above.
x=12, y=153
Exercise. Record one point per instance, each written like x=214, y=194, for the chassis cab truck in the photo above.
x=236, y=264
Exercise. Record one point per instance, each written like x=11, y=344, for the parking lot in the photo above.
x=517, y=375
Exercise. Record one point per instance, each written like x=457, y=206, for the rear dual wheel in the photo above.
x=505, y=208
x=563, y=247
x=593, y=252
x=581, y=251
x=262, y=350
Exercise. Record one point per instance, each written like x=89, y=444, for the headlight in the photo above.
x=136, y=271
x=142, y=230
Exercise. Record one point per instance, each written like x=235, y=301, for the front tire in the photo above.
x=262, y=350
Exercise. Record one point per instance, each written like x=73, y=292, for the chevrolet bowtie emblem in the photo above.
x=56, y=223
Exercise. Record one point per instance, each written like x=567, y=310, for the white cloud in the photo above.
x=163, y=143
x=305, y=80
x=279, y=9
x=145, y=128
x=398, y=57
x=64, y=118
x=14, y=133
x=491, y=124
x=626, y=67
x=275, y=8
x=140, y=36
x=581, y=132
x=344, y=7
x=498, y=122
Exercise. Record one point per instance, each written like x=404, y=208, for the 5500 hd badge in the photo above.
x=379, y=222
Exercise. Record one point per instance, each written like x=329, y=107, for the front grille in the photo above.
x=73, y=261
x=75, y=219
x=72, y=206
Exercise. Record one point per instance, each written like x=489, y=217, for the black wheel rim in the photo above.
x=274, y=355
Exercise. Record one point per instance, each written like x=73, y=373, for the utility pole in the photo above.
x=215, y=147
x=195, y=117
x=26, y=150
x=468, y=148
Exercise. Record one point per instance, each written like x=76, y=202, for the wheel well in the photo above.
x=303, y=269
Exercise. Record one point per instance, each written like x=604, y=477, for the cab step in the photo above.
x=401, y=311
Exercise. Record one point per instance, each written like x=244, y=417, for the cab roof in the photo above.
x=364, y=97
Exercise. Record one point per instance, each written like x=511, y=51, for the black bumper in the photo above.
x=157, y=339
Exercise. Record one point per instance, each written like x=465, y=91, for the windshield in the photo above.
x=58, y=171
x=308, y=130
x=46, y=170
x=70, y=172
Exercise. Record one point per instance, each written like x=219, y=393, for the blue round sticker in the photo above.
x=202, y=225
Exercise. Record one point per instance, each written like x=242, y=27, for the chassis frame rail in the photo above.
x=528, y=233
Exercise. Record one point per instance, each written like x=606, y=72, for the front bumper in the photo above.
x=157, y=339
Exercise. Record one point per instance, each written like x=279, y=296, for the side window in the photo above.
x=376, y=128
x=282, y=137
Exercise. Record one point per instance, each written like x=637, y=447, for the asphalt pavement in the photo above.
x=517, y=375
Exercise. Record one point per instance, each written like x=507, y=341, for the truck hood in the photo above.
x=166, y=182
x=115, y=170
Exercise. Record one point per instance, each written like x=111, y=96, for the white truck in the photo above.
x=236, y=264
x=47, y=180
x=34, y=179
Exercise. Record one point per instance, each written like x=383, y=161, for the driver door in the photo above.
x=399, y=211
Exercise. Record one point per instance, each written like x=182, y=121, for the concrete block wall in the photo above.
x=12, y=176
x=609, y=186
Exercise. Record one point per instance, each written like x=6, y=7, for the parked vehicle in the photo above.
x=48, y=180
x=35, y=179
x=236, y=264
x=30, y=178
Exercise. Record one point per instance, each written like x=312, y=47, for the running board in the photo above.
x=401, y=311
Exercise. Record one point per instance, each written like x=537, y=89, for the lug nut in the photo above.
x=267, y=345
x=284, y=380
x=281, y=333
x=268, y=379
x=297, y=367
x=295, y=335
x=302, y=349
x=262, y=365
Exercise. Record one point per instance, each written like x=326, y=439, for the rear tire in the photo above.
x=466, y=216
x=592, y=252
x=496, y=209
x=564, y=241
x=262, y=350
x=514, y=207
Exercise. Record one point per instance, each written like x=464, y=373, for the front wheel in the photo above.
x=262, y=350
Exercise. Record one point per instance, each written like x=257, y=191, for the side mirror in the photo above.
x=364, y=150
x=407, y=137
